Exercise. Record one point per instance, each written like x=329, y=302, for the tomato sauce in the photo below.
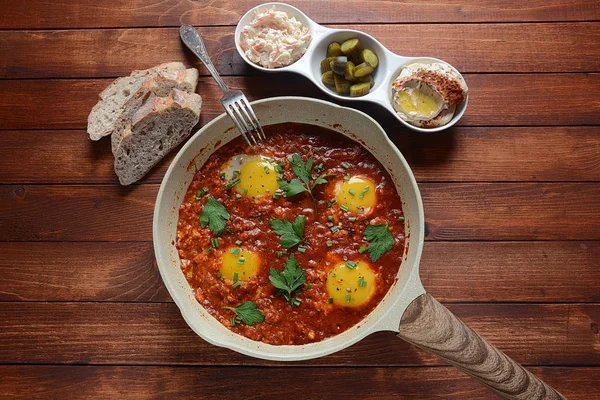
x=315, y=318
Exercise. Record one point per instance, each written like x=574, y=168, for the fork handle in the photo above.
x=192, y=39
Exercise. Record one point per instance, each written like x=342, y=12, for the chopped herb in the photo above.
x=319, y=168
x=331, y=300
x=331, y=202
x=351, y=219
x=309, y=286
x=329, y=243
x=330, y=218
x=241, y=260
x=346, y=165
x=276, y=195
x=362, y=192
x=200, y=193
x=214, y=242
x=233, y=183
x=401, y=219
x=302, y=249
x=290, y=232
x=280, y=254
x=352, y=192
x=238, y=242
x=334, y=229
x=246, y=313
x=267, y=170
x=223, y=176
x=348, y=298
x=235, y=251
x=346, y=178
x=214, y=216
x=381, y=240
x=362, y=282
x=236, y=173
x=296, y=302
x=344, y=207
x=289, y=280
x=236, y=281
x=363, y=249
x=245, y=192
x=219, y=275
x=259, y=219
x=351, y=264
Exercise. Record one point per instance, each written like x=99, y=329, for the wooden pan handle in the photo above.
x=432, y=327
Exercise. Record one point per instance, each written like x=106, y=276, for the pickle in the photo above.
x=367, y=78
x=362, y=70
x=342, y=86
x=360, y=89
x=348, y=74
x=325, y=65
x=334, y=49
x=327, y=78
x=351, y=48
x=369, y=57
x=338, y=64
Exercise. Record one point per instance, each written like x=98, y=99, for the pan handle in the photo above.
x=430, y=326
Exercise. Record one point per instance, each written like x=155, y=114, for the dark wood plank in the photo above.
x=211, y=383
x=463, y=211
x=468, y=154
x=155, y=333
x=471, y=48
x=120, y=13
x=495, y=100
x=451, y=271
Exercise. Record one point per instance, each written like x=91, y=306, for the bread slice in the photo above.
x=159, y=86
x=155, y=129
x=112, y=99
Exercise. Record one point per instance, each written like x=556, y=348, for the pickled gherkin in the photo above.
x=367, y=56
x=327, y=78
x=351, y=48
x=334, y=49
x=325, y=64
x=362, y=70
x=367, y=78
x=348, y=71
x=342, y=86
x=360, y=89
x=338, y=64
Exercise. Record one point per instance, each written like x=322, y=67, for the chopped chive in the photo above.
x=334, y=229
x=330, y=218
x=351, y=219
x=235, y=251
x=245, y=192
x=401, y=219
x=329, y=243
x=352, y=192
x=351, y=264
x=233, y=183
x=346, y=178
x=348, y=298
x=236, y=173
x=309, y=286
x=302, y=249
x=222, y=176
x=344, y=207
x=331, y=202
x=331, y=300
x=266, y=169
x=346, y=165
x=296, y=302
x=214, y=242
x=238, y=242
x=279, y=254
x=232, y=322
x=363, y=249
x=236, y=277
x=241, y=260
x=362, y=282
x=200, y=193
x=362, y=192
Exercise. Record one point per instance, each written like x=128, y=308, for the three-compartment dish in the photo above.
x=425, y=94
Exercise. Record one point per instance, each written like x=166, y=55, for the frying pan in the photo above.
x=406, y=309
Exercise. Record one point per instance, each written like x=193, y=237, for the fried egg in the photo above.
x=256, y=174
x=242, y=262
x=351, y=284
x=357, y=194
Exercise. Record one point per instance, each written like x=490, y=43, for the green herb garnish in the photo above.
x=334, y=229
x=246, y=313
x=352, y=219
x=346, y=165
x=302, y=183
x=351, y=264
x=362, y=192
x=381, y=240
x=290, y=233
x=233, y=183
x=331, y=300
x=401, y=219
x=214, y=242
x=200, y=193
x=352, y=192
x=238, y=242
x=236, y=281
x=241, y=260
x=289, y=280
x=329, y=243
x=363, y=249
x=362, y=282
x=302, y=249
x=235, y=251
x=331, y=202
x=348, y=298
x=344, y=207
x=214, y=216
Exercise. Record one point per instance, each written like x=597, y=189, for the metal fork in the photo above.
x=234, y=101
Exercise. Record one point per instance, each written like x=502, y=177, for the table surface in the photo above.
x=511, y=196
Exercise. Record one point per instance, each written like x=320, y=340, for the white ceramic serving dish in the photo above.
x=308, y=65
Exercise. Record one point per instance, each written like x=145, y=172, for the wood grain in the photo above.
x=211, y=383
x=495, y=100
x=452, y=271
x=156, y=334
x=461, y=211
x=121, y=13
x=471, y=48
x=468, y=154
x=432, y=327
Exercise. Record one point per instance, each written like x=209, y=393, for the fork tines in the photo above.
x=243, y=116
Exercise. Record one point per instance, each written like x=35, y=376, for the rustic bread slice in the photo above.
x=155, y=129
x=106, y=111
x=159, y=86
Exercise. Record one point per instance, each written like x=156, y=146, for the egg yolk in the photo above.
x=238, y=261
x=257, y=178
x=418, y=102
x=351, y=284
x=357, y=194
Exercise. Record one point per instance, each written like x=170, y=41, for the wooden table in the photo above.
x=512, y=201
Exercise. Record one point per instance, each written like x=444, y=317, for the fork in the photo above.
x=235, y=103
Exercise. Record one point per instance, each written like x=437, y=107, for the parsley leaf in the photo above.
x=381, y=240
x=246, y=313
x=291, y=233
x=289, y=280
x=214, y=215
x=292, y=187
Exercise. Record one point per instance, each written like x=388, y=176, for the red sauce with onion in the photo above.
x=315, y=319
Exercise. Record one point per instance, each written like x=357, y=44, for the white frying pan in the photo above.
x=406, y=309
